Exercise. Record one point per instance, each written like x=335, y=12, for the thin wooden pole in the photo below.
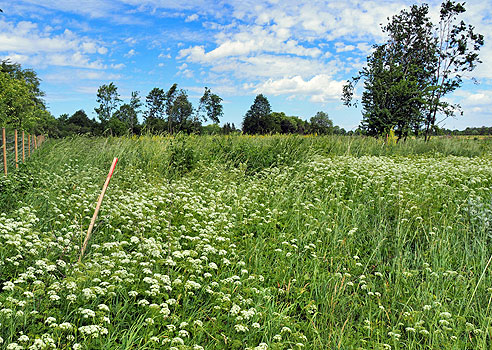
x=98, y=206
x=16, y=150
x=23, y=148
x=35, y=141
x=4, y=140
x=28, y=145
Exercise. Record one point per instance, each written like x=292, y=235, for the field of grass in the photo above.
x=277, y=242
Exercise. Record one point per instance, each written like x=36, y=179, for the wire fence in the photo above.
x=16, y=147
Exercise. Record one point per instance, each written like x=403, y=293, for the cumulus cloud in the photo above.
x=191, y=18
x=320, y=88
x=25, y=42
x=475, y=98
x=130, y=53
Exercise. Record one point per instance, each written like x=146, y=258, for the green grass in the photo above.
x=278, y=242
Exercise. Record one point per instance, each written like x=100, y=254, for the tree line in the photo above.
x=260, y=119
x=171, y=112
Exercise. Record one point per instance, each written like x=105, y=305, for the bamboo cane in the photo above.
x=23, y=148
x=4, y=140
x=98, y=206
x=16, y=151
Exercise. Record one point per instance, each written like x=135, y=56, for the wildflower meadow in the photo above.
x=236, y=242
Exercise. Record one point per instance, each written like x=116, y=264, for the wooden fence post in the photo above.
x=16, y=150
x=28, y=145
x=23, y=148
x=35, y=142
x=4, y=140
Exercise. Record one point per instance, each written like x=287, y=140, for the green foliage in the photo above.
x=212, y=129
x=21, y=105
x=108, y=99
x=257, y=119
x=211, y=104
x=156, y=106
x=128, y=113
x=321, y=124
x=182, y=157
x=180, y=115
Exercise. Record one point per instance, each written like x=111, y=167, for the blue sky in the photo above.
x=297, y=53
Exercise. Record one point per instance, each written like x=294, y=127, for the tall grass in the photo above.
x=161, y=155
x=278, y=242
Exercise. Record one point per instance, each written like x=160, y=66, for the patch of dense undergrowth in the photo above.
x=259, y=243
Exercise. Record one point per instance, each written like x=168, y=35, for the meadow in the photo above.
x=238, y=242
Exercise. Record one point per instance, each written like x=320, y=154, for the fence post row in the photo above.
x=36, y=141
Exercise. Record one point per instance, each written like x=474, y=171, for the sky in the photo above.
x=298, y=54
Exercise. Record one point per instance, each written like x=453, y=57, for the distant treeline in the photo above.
x=171, y=112
x=478, y=131
x=277, y=123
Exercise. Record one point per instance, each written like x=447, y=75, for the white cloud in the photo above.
x=320, y=88
x=76, y=59
x=191, y=18
x=130, y=53
x=26, y=43
x=118, y=66
x=186, y=73
x=475, y=98
x=131, y=41
x=342, y=47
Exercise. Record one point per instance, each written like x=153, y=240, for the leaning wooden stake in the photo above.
x=98, y=206
x=16, y=150
x=4, y=140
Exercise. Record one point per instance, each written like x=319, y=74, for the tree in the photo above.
x=458, y=47
x=321, y=124
x=21, y=96
x=80, y=119
x=169, y=101
x=257, y=119
x=108, y=99
x=396, y=75
x=211, y=129
x=29, y=76
x=180, y=114
x=211, y=103
x=128, y=112
x=156, y=108
x=406, y=78
x=16, y=102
